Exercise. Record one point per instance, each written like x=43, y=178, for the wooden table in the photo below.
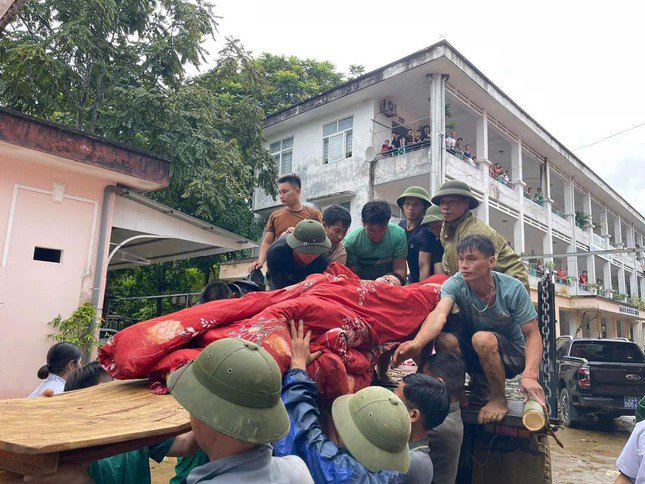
x=39, y=434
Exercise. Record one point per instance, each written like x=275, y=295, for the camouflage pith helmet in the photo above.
x=374, y=425
x=433, y=214
x=414, y=192
x=309, y=237
x=234, y=387
x=456, y=188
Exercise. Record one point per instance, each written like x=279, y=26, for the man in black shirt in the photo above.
x=303, y=252
x=434, y=220
x=414, y=202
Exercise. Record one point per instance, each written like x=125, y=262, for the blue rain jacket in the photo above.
x=326, y=462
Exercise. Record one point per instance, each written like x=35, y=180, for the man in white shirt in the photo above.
x=630, y=462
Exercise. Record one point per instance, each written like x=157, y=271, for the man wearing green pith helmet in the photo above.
x=232, y=393
x=424, y=249
x=456, y=200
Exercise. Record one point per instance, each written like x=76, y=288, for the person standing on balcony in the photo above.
x=456, y=201
x=583, y=278
x=409, y=139
x=289, y=187
x=451, y=140
x=378, y=247
x=562, y=273
x=539, y=196
x=421, y=260
x=397, y=142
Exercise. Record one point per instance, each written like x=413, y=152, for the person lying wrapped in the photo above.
x=352, y=321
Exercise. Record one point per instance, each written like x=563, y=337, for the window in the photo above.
x=282, y=153
x=47, y=255
x=337, y=140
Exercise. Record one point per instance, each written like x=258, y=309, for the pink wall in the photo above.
x=33, y=292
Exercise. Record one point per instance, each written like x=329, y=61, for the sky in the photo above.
x=576, y=68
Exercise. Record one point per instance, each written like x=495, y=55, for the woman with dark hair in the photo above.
x=63, y=359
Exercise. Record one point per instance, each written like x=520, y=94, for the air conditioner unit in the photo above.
x=388, y=108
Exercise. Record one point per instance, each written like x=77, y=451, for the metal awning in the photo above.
x=147, y=232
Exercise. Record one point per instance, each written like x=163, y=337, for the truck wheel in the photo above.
x=570, y=415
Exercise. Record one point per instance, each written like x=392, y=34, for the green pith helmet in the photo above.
x=455, y=187
x=416, y=192
x=374, y=425
x=234, y=387
x=433, y=214
x=309, y=237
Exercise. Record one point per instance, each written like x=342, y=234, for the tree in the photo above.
x=118, y=69
x=292, y=80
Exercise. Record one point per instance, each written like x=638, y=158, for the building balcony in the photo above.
x=396, y=165
x=560, y=223
x=535, y=210
x=503, y=193
x=465, y=170
x=582, y=236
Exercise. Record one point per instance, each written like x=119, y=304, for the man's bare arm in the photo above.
x=400, y=266
x=425, y=263
x=438, y=268
x=269, y=238
x=529, y=384
x=429, y=330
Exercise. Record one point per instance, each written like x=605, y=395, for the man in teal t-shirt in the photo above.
x=378, y=247
x=499, y=337
x=130, y=466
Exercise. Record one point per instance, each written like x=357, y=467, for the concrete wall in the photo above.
x=33, y=292
x=318, y=179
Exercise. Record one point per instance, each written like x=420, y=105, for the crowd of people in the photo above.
x=254, y=420
x=414, y=139
x=537, y=197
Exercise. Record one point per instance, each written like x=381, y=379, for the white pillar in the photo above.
x=482, y=137
x=606, y=275
x=591, y=260
x=622, y=287
x=618, y=233
x=482, y=157
x=519, y=239
x=570, y=214
x=641, y=284
x=437, y=130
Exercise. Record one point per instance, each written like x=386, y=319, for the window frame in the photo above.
x=280, y=153
x=345, y=152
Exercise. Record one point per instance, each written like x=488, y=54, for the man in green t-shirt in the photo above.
x=378, y=247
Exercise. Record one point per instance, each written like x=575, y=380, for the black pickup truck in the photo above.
x=598, y=377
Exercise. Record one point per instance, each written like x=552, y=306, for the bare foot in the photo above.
x=493, y=411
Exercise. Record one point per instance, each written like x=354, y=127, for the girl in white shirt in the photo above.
x=63, y=359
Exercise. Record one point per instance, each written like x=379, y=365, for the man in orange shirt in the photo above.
x=280, y=220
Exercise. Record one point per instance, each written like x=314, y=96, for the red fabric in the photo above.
x=352, y=322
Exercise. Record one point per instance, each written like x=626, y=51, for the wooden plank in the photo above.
x=6, y=476
x=30, y=465
x=90, y=454
x=114, y=412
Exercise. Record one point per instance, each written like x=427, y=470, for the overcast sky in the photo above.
x=576, y=69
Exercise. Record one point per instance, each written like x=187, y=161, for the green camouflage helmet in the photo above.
x=433, y=214
x=374, y=425
x=234, y=387
x=309, y=237
x=414, y=192
x=456, y=188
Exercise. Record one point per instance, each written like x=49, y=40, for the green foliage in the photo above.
x=76, y=328
x=117, y=68
x=583, y=220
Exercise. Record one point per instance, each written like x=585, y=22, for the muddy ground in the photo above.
x=589, y=455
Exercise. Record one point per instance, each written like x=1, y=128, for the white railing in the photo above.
x=400, y=164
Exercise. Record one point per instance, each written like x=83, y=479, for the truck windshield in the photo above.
x=607, y=351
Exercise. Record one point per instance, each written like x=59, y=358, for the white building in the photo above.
x=333, y=142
